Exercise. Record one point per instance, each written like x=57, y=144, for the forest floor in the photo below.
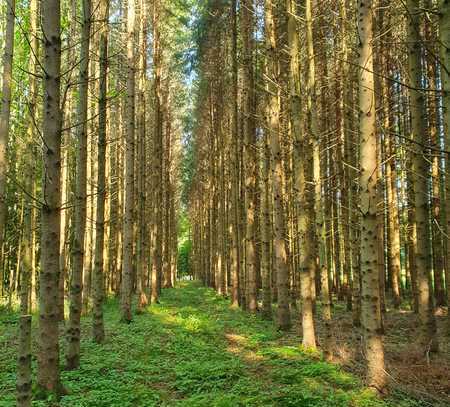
x=193, y=350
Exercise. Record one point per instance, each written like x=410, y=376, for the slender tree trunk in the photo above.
x=76, y=287
x=5, y=112
x=249, y=151
x=158, y=147
x=141, y=195
x=421, y=171
x=444, y=31
x=266, y=230
x=234, y=168
x=23, y=386
x=48, y=355
x=98, y=330
x=128, y=221
x=370, y=290
x=306, y=218
x=279, y=244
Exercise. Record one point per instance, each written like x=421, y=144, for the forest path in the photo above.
x=192, y=350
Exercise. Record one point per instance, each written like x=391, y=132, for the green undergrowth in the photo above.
x=193, y=350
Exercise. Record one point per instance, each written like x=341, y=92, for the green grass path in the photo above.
x=192, y=350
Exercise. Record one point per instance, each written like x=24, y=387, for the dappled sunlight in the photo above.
x=191, y=349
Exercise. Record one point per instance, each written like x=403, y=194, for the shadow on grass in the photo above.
x=192, y=349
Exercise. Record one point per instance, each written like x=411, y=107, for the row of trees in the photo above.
x=90, y=129
x=321, y=157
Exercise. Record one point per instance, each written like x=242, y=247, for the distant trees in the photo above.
x=96, y=124
x=350, y=199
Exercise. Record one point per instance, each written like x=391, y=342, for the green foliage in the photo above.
x=184, y=267
x=184, y=245
x=192, y=350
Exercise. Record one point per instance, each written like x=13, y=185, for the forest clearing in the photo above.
x=225, y=203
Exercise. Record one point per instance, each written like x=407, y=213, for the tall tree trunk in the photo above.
x=306, y=192
x=5, y=113
x=98, y=330
x=76, y=286
x=128, y=220
x=158, y=151
x=421, y=172
x=266, y=230
x=279, y=244
x=370, y=290
x=444, y=31
x=141, y=164
x=234, y=232
x=48, y=356
x=250, y=158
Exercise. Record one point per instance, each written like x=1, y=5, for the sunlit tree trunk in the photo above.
x=421, y=171
x=370, y=290
x=279, y=244
x=76, y=287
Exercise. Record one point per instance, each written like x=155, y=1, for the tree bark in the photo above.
x=128, y=220
x=5, y=113
x=279, y=243
x=76, y=286
x=370, y=289
x=48, y=355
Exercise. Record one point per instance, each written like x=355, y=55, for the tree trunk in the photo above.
x=279, y=244
x=5, y=113
x=128, y=220
x=421, y=172
x=76, y=287
x=98, y=330
x=444, y=31
x=370, y=290
x=48, y=356
x=23, y=386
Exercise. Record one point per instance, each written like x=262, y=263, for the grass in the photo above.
x=193, y=350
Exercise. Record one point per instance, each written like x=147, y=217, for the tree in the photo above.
x=444, y=31
x=98, y=330
x=279, y=244
x=5, y=112
x=420, y=167
x=76, y=286
x=250, y=161
x=128, y=221
x=48, y=378
x=370, y=289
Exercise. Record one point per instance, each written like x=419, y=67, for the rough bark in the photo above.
x=23, y=384
x=5, y=112
x=98, y=329
x=421, y=171
x=279, y=240
x=444, y=31
x=370, y=290
x=48, y=375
